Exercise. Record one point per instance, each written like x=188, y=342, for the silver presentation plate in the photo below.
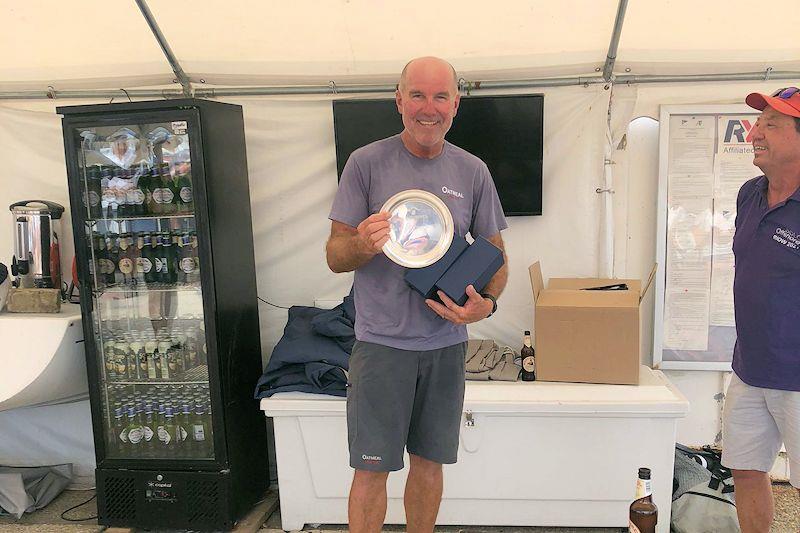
x=420, y=228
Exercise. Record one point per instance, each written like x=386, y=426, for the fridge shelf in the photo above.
x=155, y=382
x=144, y=289
x=90, y=221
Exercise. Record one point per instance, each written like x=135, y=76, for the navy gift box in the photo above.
x=475, y=266
x=461, y=266
x=423, y=280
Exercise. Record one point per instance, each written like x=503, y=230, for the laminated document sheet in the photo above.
x=706, y=156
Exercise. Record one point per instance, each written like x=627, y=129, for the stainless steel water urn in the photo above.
x=37, y=229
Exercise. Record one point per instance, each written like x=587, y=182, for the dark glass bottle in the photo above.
x=200, y=431
x=149, y=244
x=149, y=428
x=528, y=359
x=94, y=192
x=108, y=198
x=127, y=258
x=103, y=268
x=168, y=273
x=123, y=184
x=112, y=246
x=153, y=192
x=643, y=514
x=168, y=191
x=136, y=195
x=187, y=259
x=185, y=196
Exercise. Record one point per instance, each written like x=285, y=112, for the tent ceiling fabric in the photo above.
x=78, y=45
x=102, y=44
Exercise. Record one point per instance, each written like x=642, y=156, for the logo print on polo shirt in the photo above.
x=451, y=192
x=372, y=459
x=787, y=238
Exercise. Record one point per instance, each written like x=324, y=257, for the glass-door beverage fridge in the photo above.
x=160, y=208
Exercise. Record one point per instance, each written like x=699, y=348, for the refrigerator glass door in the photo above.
x=136, y=185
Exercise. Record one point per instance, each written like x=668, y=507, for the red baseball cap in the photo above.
x=786, y=101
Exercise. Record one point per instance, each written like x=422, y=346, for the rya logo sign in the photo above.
x=738, y=131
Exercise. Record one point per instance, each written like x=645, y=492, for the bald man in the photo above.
x=406, y=379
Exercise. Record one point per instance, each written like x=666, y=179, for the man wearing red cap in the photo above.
x=762, y=405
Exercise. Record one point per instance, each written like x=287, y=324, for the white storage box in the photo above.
x=532, y=454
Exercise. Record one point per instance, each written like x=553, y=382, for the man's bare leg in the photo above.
x=754, y=503
x=423, y=495
x=366, y=508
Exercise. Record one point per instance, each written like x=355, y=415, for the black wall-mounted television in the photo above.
x=506, y=132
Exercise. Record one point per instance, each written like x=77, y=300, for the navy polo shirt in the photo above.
x=766, y=288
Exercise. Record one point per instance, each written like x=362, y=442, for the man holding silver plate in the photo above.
x=400, y=202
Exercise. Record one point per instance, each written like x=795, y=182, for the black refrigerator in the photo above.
x=164, y=250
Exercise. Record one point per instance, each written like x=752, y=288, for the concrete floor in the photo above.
x=48, y=520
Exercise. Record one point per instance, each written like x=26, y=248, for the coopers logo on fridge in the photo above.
x=451, y=192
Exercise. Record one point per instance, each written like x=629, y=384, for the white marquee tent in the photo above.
x=285, y=61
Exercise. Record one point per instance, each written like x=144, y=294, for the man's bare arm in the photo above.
x=348, y=248
x=498, y=282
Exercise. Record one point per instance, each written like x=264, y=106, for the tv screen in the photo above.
x=506, y=132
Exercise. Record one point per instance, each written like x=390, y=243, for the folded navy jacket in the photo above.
x=312, y=355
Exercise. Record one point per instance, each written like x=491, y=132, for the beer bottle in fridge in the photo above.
x=120, y=185
x=126, y=263
x=105, y=269
x=167, y=190
x=185, y=196
x=135, y=432
x=166, y=433
x=120, y=430
x=199, y=436
x=643, y=513
x=151, y=349
x=148, y=430
x=168, y=273
x=94, y=191
x=135, y=195
x=143, y=262
x=107, y=196
x=115, y=277
x=149, y=259
x=153, y=192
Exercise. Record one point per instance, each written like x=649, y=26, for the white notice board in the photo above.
x=705, y=156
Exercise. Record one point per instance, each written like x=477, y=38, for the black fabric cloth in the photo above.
x=312, y=355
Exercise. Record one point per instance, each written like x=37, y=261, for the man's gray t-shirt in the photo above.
x=388, y=311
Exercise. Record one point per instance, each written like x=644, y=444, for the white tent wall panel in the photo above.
x=33, y=168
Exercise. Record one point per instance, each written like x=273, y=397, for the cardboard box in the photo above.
x=475, y=266
x=587, y=336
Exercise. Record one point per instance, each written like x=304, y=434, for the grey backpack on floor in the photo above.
x=702, y=495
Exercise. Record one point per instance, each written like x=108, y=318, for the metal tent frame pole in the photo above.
x=180, y=75
x=611, y=56
x=336, y=89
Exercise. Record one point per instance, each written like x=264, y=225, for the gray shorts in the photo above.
x=756, y=422
x=400, y=399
